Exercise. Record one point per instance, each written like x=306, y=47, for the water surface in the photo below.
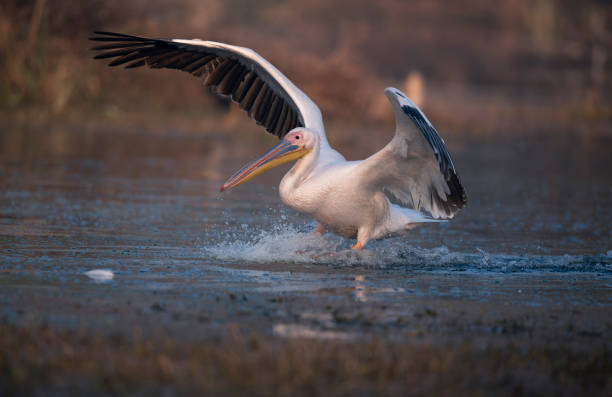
x=144, y=211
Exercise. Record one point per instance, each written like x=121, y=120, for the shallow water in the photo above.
x=143, y=211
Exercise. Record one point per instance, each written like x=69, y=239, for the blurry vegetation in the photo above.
x=54, y=362
x=516, y=65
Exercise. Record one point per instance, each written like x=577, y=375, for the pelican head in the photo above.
x=296, y=144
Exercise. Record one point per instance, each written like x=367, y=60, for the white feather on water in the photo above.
x=100, y=275
x=303, y=331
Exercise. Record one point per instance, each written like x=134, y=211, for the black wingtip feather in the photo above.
x=136, y=64
x=113, y=34
x=457, y=198
x=225, y=73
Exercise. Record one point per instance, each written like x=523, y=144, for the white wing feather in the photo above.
x=415, y=169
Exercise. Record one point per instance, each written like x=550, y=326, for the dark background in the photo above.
x=477, y=68
x=104, y=168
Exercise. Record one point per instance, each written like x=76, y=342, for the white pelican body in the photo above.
x=342, y=206
x=410, y=181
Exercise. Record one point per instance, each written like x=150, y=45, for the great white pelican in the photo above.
x=411, y=180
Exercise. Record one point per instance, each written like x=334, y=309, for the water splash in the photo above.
x=287, y=243
x=284, y=243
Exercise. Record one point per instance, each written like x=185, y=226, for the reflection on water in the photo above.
x=360, y=294
x=142, y=211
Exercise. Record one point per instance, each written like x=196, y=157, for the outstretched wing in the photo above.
x=240, y=73
x=415, y=169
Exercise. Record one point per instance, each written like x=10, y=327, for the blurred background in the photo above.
x=516, y=67
x=106, y=168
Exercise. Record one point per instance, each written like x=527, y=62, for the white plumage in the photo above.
x=410, y=181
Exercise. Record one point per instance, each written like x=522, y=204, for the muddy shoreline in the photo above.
x=230, y=331
x=309, y=343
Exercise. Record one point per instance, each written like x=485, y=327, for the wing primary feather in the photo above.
x=119, y=45
x=205, y=67
x=275, y=108
x=257, y=104
x=157, y=61
x=212, y=65
x=140, y=62
x=259, y=88
x=295, y=120
x=432, y=137
x=173, y=62
x=243, y=86
x=118, y=39
x=128, y=36
x=278, y=127
x=231, y=79
x=219, y=72
x=250, y=96
x=127, y=58
x=287, y=123
x=431, y=199
x=187, y=60
x=264, y=107
x=117, y=53
x=411, y=177
x=292, y=120
x=199, y=63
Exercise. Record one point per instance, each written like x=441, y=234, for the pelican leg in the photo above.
x=363, y=236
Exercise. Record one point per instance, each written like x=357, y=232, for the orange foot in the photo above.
x=357, y=246
x=320, y=229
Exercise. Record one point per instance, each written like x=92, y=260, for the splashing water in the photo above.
x=290, y=244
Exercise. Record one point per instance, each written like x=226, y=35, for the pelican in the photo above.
x=411, y=180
